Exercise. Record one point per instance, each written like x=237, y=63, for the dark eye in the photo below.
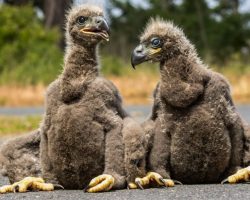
x=156, y=42
x=81, y=20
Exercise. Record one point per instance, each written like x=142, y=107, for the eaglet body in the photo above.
x=85, y=131
x=197, y=136
x=200, y=146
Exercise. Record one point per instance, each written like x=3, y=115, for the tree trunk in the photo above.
x=202, y=28
x=235, y=6
x=54, y=12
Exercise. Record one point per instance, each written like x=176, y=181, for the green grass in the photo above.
x=18, y=125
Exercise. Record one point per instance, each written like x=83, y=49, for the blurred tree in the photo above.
x=218, y=32
x=29, y=53
x=54, y=11
x=232, y=5
x=232, y=30
x=194, y=17
x=126, y=26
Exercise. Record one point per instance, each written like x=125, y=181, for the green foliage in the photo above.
x=29, y=53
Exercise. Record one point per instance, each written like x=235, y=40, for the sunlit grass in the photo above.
x=18, y=125
x=16, y=95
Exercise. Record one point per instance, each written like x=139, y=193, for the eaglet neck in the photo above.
x=81, y=61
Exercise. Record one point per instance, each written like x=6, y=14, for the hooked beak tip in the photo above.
x=139, y=55
x=133, y=63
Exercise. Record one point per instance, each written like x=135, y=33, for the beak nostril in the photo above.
x=139, y=49
x=101, y=24
x=98, y=21
x=139, y=55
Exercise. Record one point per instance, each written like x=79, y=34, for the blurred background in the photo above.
x=32, y=46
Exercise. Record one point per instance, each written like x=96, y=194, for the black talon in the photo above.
x=59, y=187
x=224, y=181
x=177, y=182
x=139, y=185
x=86, y=189
x=162, y=180
x=16, y=189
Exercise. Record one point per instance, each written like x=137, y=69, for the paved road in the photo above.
x=213, y=191
x=140, y=112
x=190, y=192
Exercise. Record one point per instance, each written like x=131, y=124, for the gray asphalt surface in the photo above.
x=140, y=112
x=212, y=191
x=188, y=192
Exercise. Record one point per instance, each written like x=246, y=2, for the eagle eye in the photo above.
x=81, y=20
x=156, y=42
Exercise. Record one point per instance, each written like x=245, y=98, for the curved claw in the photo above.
x=139, y=185
x=16, y=189
x=163, y=182
x=224, y=181
x=86, y=189
x=177, y=182
x=58, y=187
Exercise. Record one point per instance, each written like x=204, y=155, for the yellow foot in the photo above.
x=242, y=175
x=101, y=183
x=132, y=186
x=152, y=177
x=29, y=183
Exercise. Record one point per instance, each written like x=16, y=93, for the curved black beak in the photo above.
x=139, y=55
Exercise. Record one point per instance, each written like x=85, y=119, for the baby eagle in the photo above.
x=198, y=135
x=85, y=131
